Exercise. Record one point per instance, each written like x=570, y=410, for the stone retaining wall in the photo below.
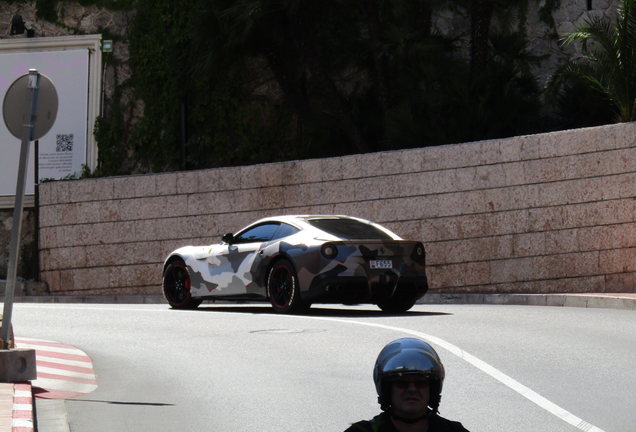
x=535, y=214
x=27, y=254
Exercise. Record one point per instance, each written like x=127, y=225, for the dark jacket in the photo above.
x=382, y=423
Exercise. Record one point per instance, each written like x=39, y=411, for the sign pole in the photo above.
x=36, y=187
x=27, y=136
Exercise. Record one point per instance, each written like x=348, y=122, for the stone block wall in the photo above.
x=27, y=262
x=544, y=213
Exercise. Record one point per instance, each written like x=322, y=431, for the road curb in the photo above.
x=593, y=300
x=608, y=301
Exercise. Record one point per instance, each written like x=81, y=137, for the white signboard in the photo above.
x=73, y=64
x=63, y=149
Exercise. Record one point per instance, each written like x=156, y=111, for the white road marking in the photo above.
x=508, y=381
x=23, y=424
x=495, y=373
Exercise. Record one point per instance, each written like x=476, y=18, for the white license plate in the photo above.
x=381, y=264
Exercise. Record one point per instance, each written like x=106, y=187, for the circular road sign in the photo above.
x=17, y=106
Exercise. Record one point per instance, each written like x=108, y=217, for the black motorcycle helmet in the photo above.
x=408, y=356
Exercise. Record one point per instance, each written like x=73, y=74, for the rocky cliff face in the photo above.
x=543, y=38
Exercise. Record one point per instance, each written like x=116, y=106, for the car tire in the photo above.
x=176, y=286
x=397, y=304
x=282, y=288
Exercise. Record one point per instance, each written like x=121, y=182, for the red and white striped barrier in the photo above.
x=63, y=371
x=22, y=408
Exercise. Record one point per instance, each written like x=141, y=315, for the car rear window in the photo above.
x=349, y=229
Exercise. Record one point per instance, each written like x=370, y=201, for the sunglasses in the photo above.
x=403, y=384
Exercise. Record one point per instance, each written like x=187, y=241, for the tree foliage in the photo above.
x=608, y=61
x=227, y=82
x=199, y=106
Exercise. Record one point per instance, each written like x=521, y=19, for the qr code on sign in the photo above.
x=64, y=143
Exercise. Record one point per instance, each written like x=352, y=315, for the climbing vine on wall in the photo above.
x=223, y=82
x=205, y=114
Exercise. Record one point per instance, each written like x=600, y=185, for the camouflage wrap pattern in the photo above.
x=235, y=270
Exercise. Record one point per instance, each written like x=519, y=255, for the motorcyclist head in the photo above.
x=408, y=376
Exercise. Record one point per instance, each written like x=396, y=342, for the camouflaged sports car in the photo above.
x=295, y=261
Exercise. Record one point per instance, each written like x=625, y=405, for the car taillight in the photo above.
x=329, y=250
x=419, y=254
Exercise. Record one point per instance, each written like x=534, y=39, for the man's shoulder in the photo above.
x=381, y=423
x=361, y=426
x=440, y=424
x=376, y=424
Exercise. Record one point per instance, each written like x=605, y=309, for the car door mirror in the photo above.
x=227, y=238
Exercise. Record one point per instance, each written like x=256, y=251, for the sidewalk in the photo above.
x=585, y=300
x=16, y=400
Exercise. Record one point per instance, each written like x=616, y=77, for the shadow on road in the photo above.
x=317, y=311
x=158, y=404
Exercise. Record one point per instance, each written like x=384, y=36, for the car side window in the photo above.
x=260, y=233
x=284, y=230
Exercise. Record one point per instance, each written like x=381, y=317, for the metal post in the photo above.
x=36, y=210
x=33, y=84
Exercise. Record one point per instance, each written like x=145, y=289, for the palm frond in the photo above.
x=608, y=61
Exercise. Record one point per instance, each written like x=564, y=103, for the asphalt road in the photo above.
x=241, y=368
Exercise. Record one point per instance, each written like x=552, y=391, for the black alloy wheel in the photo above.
x=176, y=286
x=282, y=288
